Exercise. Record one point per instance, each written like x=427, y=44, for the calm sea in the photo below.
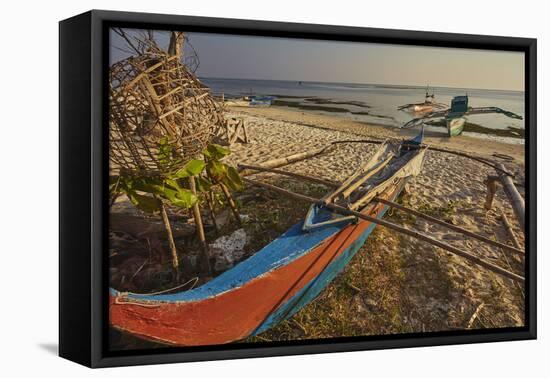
x=379, y=101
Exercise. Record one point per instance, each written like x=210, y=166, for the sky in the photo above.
x=268, y=58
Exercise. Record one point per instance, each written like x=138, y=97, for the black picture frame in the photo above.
x=83, y=168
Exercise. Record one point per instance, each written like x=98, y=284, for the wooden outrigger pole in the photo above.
x=450, y=226
x=344, y=211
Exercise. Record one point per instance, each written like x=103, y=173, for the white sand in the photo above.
x=447, y=181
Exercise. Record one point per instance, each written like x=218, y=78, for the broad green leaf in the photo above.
x=216, y=170
x=145, y=203
x=233, y=180
x=191, y=168
x=147, y=184
x=203, y=184
x=215, y=151
x=181, y=198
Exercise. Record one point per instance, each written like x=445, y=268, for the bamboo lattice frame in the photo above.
x=155, y=100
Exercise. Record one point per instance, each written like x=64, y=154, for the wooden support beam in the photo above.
x=449, y=226
x=317, y=180
x=381, y=222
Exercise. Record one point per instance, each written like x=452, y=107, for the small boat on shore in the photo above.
x=429, y=104
x=256, y=101
x=454, y=117
x=285, y=275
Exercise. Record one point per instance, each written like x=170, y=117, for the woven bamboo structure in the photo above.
x=160, y=115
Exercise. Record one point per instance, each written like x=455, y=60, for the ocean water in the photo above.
x=379, y=101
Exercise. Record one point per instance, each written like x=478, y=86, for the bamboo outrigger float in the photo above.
x=293, y=269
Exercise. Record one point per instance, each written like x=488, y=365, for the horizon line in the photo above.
x=359, y=83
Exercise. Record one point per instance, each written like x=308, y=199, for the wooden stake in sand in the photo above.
x=171, y=243
x=491, y=191
x=210, y=202
x=414, y=234
x=198, y=224
x=231, y=202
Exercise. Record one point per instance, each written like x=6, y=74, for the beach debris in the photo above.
x=228, y=249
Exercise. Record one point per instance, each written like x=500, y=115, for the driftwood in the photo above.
x=381, y=222
x=317, y=180
x=450, y=226
x=518, y=204
x=279, y=162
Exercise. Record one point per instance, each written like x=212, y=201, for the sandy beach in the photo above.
x=442, y=291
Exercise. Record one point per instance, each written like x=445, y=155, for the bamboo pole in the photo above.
x=291, y=174
x=231, y=202
x=414, y=234
x=450, y=226
x=168, y=228
x=347, y=192
x=199, y=225
x=210, y=203
x=476, y=158
x=331, y=196
x=518, y=204
x=479, y=159
x=279, y=162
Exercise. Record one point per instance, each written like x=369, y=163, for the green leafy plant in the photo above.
x=219, y=172
x=149, y=194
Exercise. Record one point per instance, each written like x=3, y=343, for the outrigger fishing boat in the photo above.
x=429, y=104
x=286, y=274
x=454, y=117
x=293, y=269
